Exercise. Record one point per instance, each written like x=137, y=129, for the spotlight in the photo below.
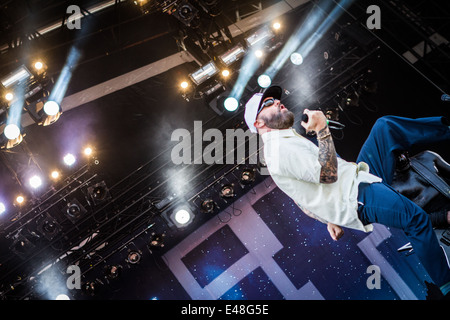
x=264, y=81
x=113, y=272
x=69, y=159
x=12, y=131
x=259, y=37
x=247, y=176
x=133, y=257
x=259, y=53
x=227, y=191
x=276, y=25
x=156, y=241
x=43, y=112
x=24, y=243
x=20, y=199
x=20, y=75
x=35, y=182
x=180, y=217
x=74, y=210
x=232, y=55
x=231, y=104
x=54, y=174
x=9, y=96
x=88, y=151
x=204, y=73
x=225, y=73
x=2, y=207
x=51, y=108
x=296, y=58
x=207, y=206
x=62, y=297
x=48, y=227
x=184, y=84
x=99, y=193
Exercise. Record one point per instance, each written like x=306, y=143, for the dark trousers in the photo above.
x=382, y=204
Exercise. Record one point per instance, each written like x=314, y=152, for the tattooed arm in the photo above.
x=327, y=153
x=327, y=156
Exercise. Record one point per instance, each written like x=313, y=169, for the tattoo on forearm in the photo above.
x=327, y=156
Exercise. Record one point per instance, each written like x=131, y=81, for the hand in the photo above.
x=335, y=231
x=316, y=121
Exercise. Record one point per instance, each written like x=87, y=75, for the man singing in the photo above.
x=345, y=194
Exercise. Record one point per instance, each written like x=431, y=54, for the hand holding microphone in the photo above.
x=315, y=120
x=331, y=124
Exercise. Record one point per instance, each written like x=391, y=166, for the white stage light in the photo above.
x=12, y=131
x=296, y=58
x=35, y=182
x=182, y=216
x=51, y=108
x=204, y=73
x=264, y=81
x=231, y=104
x=2, y=207
x=69, y=159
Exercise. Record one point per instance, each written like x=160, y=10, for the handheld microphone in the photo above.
x=331, y=124
x=445, y=97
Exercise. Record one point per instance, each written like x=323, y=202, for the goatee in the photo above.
x=281, y=120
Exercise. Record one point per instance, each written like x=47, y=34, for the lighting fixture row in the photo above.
x=35, y=181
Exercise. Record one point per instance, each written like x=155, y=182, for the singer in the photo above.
x=344, y=194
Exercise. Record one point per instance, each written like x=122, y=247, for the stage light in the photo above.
x=133, y=257
x=99, y=192
x=259, y=38
x=227, y=191
x=62, y=297
x=19, y=75
x=276, y=25
x=247, y=176
x=230, y=104
x=74, y=210
x=35, y=182
x=207, y=206
x=88, y=151
x=264, y=81
x=232, y=55
x=259, y=53
x=2, y=207
x=184, y=84
x=48, y=227
x=204, y=73
x=296, y=58
x=9, y=96
x=69, y=159
x=20, y=199
x=55, y=174
x=225, y=73
x=113, y=272
x=181, y=217
x=156, y=241
x=11, y=131
x=38, y=65
x=51, y=108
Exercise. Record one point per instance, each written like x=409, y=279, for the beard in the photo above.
x=281, y=120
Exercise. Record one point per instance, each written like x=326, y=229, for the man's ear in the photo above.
x=259, y=123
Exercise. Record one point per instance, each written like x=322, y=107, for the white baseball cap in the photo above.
x=253, y=106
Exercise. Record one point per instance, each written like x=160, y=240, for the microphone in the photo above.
x=331, y=124
x=445, y=97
